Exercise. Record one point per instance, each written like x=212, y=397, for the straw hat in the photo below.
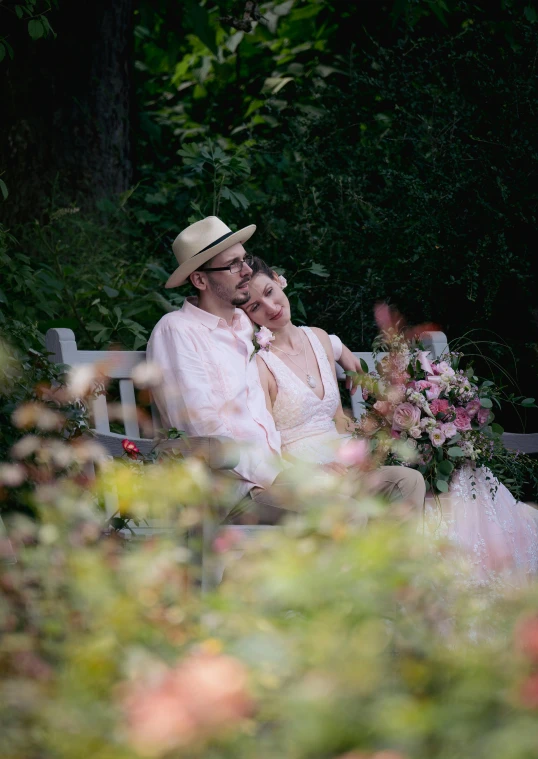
x=201, y=241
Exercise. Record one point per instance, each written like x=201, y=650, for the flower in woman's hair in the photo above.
x=282, y=281
x=462, y=420
x=437, y=436
x=130, y=448
x=473, y=407
x=449, y=429
x=405, y=416
x=263, y=337
x=483, y=416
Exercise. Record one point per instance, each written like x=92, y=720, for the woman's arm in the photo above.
x=343, y=423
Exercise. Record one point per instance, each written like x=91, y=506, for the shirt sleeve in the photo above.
x=186, y=400
x=337, y=346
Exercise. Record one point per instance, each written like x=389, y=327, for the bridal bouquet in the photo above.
x=430, y=414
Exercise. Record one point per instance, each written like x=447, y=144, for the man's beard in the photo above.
x=234, y=298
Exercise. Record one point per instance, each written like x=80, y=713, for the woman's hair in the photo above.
x=260, y=267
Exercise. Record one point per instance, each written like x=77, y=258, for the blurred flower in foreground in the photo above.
x=198, y=699
x=12, y=475
x=526, y=636
x=147, y=374
x=354, y=453
x=34, y=414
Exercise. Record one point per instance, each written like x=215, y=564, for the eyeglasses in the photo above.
x=233, y=268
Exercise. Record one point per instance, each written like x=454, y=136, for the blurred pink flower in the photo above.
x=526, y=636
x=433, y=391
x=405, y=416
x=462, y=420
x=473, y=407
x=202, y=696
x=354, y=453
x=529, y=691
x=483, y=416
x=383, y=407
x=227, y=539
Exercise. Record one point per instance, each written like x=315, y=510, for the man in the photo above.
x=211, y=387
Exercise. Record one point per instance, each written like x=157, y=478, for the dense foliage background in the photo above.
x=385, y=151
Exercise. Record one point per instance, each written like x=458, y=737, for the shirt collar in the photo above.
x=211, y=321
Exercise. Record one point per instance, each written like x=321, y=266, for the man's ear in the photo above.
x=199, y=280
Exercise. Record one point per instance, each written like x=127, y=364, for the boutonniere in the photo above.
x=261, y=340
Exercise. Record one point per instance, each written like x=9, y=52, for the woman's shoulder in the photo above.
x=324, y=339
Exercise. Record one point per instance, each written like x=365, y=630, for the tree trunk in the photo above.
x=66, y=107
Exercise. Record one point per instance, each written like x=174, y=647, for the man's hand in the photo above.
x=350, y=363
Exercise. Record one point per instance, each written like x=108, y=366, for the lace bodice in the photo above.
x=297, y=411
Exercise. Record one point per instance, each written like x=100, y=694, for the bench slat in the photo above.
x=128, y=408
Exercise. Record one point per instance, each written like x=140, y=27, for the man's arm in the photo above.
x=187, y=400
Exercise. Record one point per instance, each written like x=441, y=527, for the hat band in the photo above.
x=212, y=244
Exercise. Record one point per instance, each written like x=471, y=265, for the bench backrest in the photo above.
x=62, y=345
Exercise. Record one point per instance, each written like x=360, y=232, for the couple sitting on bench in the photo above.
x=285, y=403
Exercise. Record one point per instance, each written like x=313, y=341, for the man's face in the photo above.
x=231, y=288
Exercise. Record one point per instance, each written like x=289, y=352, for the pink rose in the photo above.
x=473, y=407
x=365, y=394
x=483, y=416
x=462, y=420
x=439, y=406
x=405, y=416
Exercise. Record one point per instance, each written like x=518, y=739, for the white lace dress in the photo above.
x=305, y=422
x=497, y=534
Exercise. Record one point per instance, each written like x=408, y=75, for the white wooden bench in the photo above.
x=119, y=365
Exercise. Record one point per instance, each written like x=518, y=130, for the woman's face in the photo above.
x=268, y=306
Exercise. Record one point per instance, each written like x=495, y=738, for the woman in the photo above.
x=479, y=515
x=298, y=376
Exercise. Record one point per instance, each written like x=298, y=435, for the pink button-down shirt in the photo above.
x=212, y=387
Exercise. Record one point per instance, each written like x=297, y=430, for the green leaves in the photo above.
x=445, y=467
x=198, y=18
x=3, y=188
x=528, y=402
x=455, y=452
x=36, y=28
x=486, y=402
x=319, y=270
x=442, y=486
x=364, y=365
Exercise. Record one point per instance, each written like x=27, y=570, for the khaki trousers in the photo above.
x=395, y=483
